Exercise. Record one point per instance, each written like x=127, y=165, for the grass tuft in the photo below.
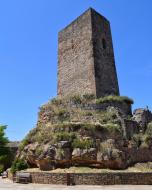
x=114, y=99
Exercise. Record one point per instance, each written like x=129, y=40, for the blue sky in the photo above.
x=28, y=53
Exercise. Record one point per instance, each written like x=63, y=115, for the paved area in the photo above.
x=6, y=184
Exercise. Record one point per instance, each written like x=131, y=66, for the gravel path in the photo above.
x=6, y=184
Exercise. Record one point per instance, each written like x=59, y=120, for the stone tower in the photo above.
x=86, y=58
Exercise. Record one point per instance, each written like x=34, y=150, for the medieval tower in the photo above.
x=86, y=58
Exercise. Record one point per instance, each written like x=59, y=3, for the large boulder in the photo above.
x=46, y=164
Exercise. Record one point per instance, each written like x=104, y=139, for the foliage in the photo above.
x=63, y=115
x=138, y=139
x=109, y=116
x=149, y=129
x=88, y=113
x=65, y=136
x=5, y=153
x=79, y=99
x=147, y=139
x=114, y=99
x=56, y=101
x=89, y=96
x=3, y=139
x=87, y=126
x=39, y=151
x=23, y=144
x=1, y=168
x=83, y=144
x=18, y=165
x=76, y=99
x=111, y=127
x=38, y=134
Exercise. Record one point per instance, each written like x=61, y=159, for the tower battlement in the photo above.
x=86, y=58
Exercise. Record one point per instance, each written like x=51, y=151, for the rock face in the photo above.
x=75, y=136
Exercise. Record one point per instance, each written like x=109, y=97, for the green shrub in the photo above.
x=77, y=99
x=83, y=144
x=87, y=126
x=56, y=101
x=149, y=129
x=39, y=151
x=30, y=138
x=111, y=127
x=23, y=144
x=1, y=168
x=148, y=139
x=89, y=96
x=64, y=136
x=109, y=116
x=114, y=99
x=44, y=136
x=18, y=165
x=88, y=113
x=138, y=139
x=3, y=138
x=68, y=126
x=63, y=115
x=5, y=153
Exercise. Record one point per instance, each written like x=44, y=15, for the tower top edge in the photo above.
x=89, y=11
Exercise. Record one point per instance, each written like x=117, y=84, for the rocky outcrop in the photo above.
x=69, y=135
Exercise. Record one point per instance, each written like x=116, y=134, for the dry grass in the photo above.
x=140, y=167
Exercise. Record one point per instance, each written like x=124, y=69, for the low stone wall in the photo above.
x=92, y=178
x=123, y=106
x=48, y=178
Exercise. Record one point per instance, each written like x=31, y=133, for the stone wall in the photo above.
x=143, y=117
x=75, y=57
x=104, y=62
x=86, y=58
x=124, y=107
x=112, y=178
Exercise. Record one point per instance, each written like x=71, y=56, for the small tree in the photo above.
x=18, y=165
x=4, y=151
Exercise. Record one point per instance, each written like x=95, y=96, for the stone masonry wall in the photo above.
x=134, y=178
x=75, y=57
x=104, y=62
x=124, y=107
x=85, y=57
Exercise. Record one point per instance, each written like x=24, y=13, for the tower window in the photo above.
x=104, y=43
